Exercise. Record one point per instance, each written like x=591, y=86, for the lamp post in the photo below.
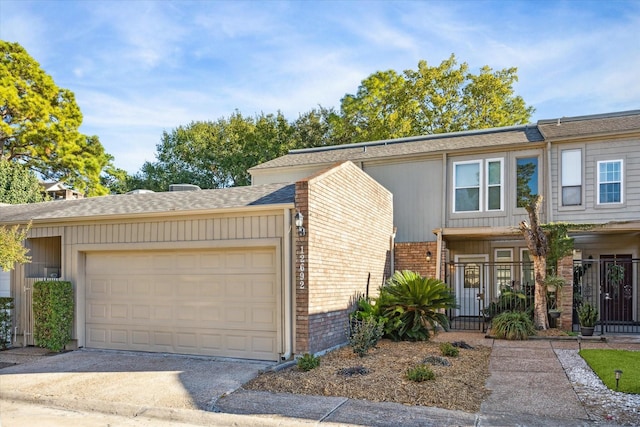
x=618, y=373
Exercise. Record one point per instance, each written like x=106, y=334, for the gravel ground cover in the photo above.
x=601, y=403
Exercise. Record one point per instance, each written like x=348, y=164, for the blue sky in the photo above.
x=138, y=68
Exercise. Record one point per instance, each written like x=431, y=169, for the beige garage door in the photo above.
x=213, y=302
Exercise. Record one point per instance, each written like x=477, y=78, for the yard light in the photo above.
x=299, y=221
x=618, y=374
x=428, y=255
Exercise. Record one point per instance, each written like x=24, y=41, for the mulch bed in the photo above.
x=380, y=376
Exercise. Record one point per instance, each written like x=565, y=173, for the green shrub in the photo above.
x=420, y=373
x=53, y=313
x=365, y=334
x=509, y=300
x=587, y=315
x=447, y=349
x=411, y=304
x=512, y=325
x=308, y=362
x=6, y=305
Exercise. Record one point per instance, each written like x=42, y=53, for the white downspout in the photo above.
x=287, y=339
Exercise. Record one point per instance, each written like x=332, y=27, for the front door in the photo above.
x=617, y=287
x=471, y=276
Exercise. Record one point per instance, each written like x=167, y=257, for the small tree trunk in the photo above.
x=537, y=244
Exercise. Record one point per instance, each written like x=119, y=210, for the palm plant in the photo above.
x=412, y=304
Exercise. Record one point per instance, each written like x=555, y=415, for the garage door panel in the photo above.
x=206, y=303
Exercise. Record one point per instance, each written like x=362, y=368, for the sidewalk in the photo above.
x=527, y=382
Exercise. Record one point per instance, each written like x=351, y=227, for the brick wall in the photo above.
x=413, y=256
x=565, y=295
x=349, y=221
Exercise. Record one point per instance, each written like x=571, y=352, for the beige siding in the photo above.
x=627, y=150
x=158, y=233
x=417, y=187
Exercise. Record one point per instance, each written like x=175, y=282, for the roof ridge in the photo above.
x=589, y=117
x=411, y=139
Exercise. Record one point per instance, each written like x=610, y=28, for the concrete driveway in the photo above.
x=126, y=383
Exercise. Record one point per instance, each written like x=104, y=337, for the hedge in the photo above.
x=53, y=313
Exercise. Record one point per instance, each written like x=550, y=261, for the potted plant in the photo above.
x=553, y=282
x=588, y=316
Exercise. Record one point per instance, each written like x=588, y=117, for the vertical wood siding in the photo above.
x=417, y=191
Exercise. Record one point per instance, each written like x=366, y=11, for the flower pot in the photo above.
x=586, y=331
x=554, y=314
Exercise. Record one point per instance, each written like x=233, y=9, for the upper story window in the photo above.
x=571, y=177
x=610, y=181
x=495, y=195
x=471, y=194
x=527, y=180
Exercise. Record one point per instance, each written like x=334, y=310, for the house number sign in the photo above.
x=301, y=267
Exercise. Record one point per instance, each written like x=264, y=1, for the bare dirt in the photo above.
x=380, y=376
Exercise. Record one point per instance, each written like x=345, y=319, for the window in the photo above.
x=527, y=273
x=527, y=180
x=467, y=186
x=571, y=177
x=494, y=185
x=469, y=193
x=503, y=271
x=610, y=181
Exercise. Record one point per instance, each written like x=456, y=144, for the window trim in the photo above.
x=520, y=156
x=480, y=184
x=598, y=182
x=564, y=169
x=499, y=160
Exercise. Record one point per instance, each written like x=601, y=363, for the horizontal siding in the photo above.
x=590, y=212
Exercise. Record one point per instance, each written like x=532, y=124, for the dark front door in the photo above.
x=617, y=287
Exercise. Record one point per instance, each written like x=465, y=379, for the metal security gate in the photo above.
x=611, y=285
x=483, y=288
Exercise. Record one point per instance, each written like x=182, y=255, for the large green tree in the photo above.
x=215, y=154
x=431, y=99
x=18, y=184
x=39, y=126
x=12, y=250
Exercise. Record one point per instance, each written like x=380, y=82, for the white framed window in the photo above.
x=610, y=182
x=503, y=272
x=478, y=185
x=571, y=177
x=467, y=182
x=495, y=177
x=526, y=180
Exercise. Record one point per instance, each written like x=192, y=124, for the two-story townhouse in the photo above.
x=595, y=179
x=459, y=197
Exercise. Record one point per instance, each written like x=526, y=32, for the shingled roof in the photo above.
x=149, y=203
x=407, y=146
x=601, y=124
